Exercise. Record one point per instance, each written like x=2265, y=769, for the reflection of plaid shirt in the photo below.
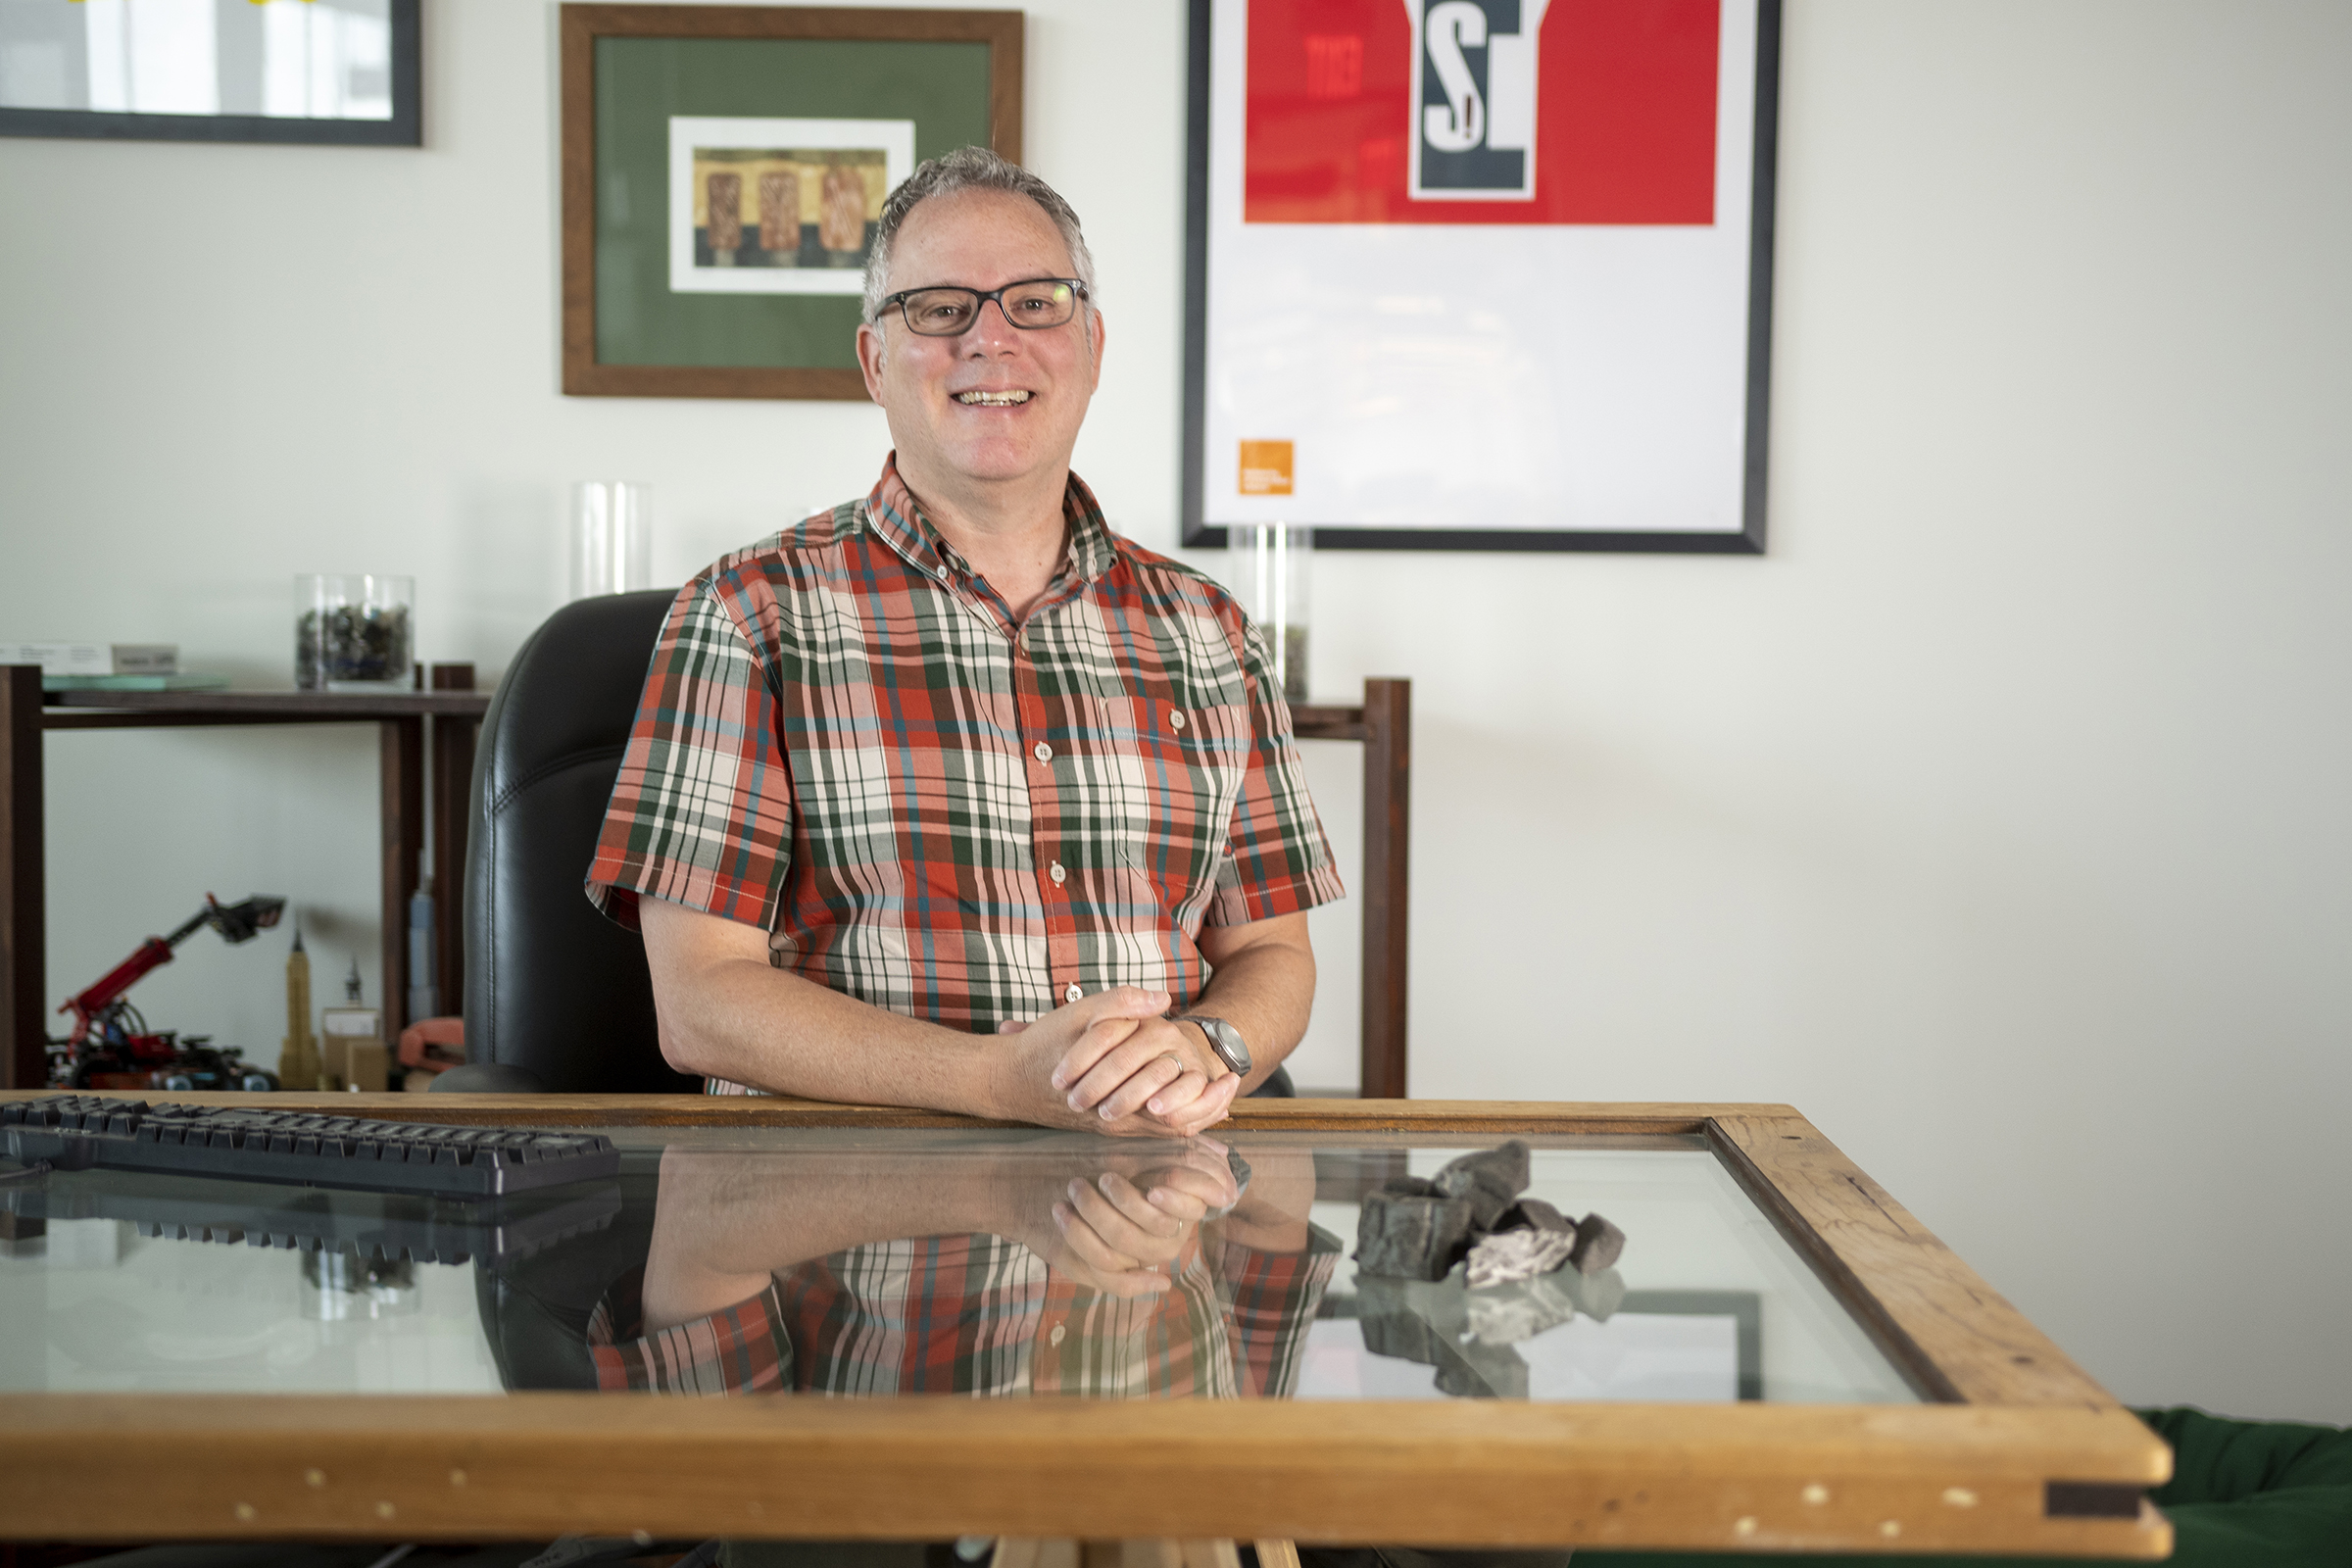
x=981, y=1315
x=846, y=740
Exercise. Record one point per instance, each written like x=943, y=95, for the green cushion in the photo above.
x=2243, y=1495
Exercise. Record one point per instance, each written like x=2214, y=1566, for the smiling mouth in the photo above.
x=992, y=399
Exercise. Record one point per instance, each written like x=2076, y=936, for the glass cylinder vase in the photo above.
x=354, y=632
x=1268, y=573
x=612, y=537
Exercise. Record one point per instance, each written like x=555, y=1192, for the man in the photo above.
x=947, y=797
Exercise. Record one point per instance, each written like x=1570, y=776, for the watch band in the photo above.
x=1223, y=1039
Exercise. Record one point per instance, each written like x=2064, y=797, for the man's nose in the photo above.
x=992, y=326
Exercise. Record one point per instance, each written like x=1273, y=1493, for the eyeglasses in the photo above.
x=950, y=311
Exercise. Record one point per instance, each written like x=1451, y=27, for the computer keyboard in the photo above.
x=73, y=1132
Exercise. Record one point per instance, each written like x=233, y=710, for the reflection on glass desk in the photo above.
x=975, y=1262
x=874, y=1323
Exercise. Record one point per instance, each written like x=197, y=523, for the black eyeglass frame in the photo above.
x=980, y=298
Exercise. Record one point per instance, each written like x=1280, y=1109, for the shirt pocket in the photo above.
x=1192, y=760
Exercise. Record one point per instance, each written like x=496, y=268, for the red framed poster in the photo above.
x=1480, y=274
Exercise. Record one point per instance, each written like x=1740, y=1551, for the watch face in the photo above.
x=1226, y=1041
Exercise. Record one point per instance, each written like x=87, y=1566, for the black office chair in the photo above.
x=558, y=998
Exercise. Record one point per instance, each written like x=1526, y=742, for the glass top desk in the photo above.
x=788, y=1319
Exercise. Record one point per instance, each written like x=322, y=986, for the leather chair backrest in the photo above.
x=551, y=986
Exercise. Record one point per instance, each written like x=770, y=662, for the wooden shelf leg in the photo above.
x=1388, y=836
x=400, y=751
x=24, y=889
x=453, y=803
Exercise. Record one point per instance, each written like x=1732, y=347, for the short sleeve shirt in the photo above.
x=848, y=740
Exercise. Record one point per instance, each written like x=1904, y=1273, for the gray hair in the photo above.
x=969, y=169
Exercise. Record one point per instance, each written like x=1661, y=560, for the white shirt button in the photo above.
x=1176, y=720
x=1073, y=993
x=1058, y=874
x=1042, y=752
x=1059, y=1331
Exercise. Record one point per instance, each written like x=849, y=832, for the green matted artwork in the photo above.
x=725, y=167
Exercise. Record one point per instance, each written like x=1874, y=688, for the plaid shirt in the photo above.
x=980, y=1315
x=847, y=739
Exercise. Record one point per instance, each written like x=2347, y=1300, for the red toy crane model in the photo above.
x=112, y=1047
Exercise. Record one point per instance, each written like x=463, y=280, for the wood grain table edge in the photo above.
x=1955, y=1332
x=1483, y=1117
x=444, y=1467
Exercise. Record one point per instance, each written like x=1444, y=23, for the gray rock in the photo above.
x=1410, y=1238
x=1411, y=1187
x=1489, y=1179
x=1598, y=1245
x=1536, y=1213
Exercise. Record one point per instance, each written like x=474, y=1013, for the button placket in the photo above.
x=1036, y=716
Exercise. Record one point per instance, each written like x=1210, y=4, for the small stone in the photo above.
x=1409, y=1238
x=1507, y=1256
x=1598, y=1245
x=1536, y=1213
x=1490, y=1180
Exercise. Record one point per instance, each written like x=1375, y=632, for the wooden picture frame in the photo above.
x=2015, y=1448
x=784, y=331
x=405, y=127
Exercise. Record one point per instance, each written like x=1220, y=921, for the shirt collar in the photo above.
x=893, y=513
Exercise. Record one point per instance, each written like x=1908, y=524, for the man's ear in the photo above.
x=1094, y=343
x=869, y=357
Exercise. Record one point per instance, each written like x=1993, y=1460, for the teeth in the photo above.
x=994, y=400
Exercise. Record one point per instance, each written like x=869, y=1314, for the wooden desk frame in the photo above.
x=453, y=712
x=2021, y=1451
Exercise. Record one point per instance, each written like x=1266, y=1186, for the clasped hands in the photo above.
x=1112, y=1063
x=1120, y=1221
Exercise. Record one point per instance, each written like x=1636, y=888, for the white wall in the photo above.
x=1996, y=818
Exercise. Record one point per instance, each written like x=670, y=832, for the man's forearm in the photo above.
x=719, y=1232
x=1266, y=991
x=726, y=1012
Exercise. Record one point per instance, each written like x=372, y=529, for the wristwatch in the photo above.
x=1223, y=1039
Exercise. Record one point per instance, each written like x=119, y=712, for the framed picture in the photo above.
x=1481, y=274
x=272, y=70
x=723, y=170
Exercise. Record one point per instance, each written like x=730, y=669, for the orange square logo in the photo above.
x=1265, y=467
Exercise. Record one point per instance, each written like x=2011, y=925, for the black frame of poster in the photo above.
x=1749, y=540
x=406, y=127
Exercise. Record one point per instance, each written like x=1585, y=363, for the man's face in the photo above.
x=1036, y=381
